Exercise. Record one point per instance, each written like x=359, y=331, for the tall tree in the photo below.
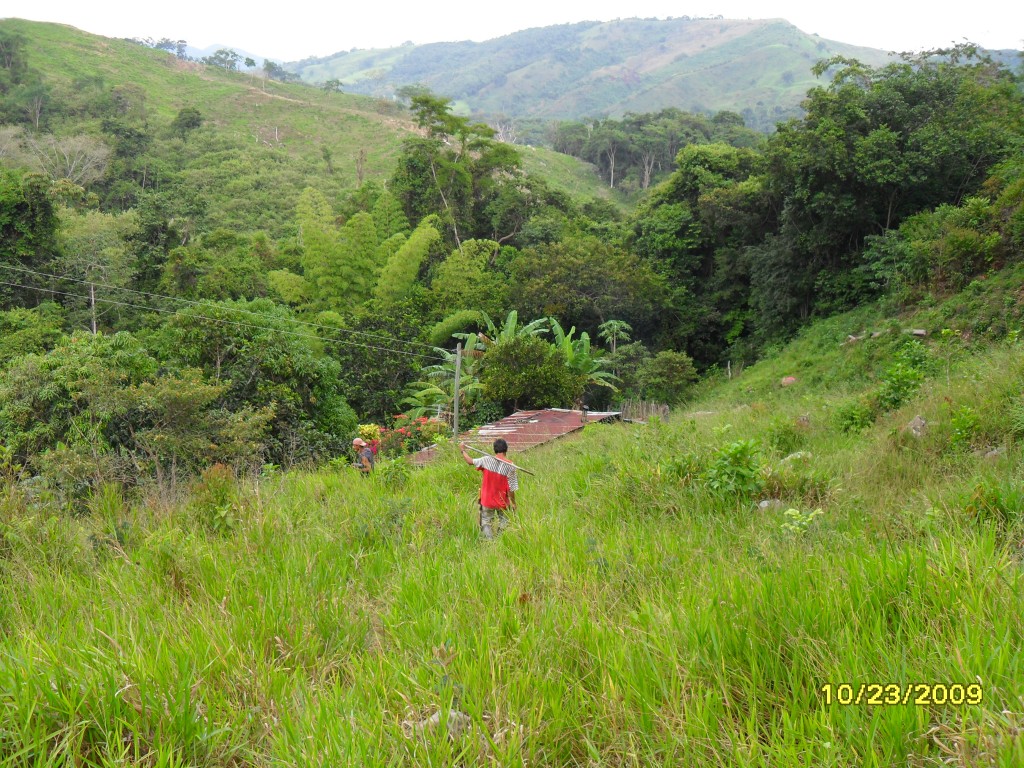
x=28, y=227
x=466, y=280
x=388, y=216
x=454, y=171
x=399, y=274
x=876, y=145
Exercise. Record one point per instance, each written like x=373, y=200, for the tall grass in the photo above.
x=632, y=615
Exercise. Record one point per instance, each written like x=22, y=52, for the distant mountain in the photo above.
x=760, y=68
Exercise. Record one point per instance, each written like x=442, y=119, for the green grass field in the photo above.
x=572, y=176
x=643, y=609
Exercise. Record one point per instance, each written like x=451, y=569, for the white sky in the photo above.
x=287, y=32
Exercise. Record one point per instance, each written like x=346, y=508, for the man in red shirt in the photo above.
x=498, y=489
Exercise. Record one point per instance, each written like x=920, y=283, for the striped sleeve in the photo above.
x=499, y=467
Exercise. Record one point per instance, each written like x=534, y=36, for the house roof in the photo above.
x=527, y=429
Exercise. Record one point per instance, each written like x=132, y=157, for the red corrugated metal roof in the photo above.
x=527, y=429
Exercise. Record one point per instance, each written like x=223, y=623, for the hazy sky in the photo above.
x=291, y=31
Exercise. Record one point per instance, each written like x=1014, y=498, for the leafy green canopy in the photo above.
x=757, y=243
x=267, y=362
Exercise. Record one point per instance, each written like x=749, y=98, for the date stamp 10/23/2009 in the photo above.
x=895, y=694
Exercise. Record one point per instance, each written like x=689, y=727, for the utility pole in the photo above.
x=458, y=372
x=92, y=305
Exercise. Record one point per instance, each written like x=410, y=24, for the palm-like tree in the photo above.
x=581, y=357
x=614, y=331
x=436, y=391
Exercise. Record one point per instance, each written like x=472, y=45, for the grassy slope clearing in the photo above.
x=262, y=142
x=643, y=610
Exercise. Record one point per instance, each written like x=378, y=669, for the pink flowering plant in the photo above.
x=409, y=434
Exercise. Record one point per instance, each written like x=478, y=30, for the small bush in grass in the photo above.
x=683, y=468
x=392, y=474
x=107, y=502
x=784, y=436
x=855, y=416
x=216, y=499
x=996, y=502
x=10, y=470
x=963, y=423
x=70, y=473
x=900, y=382
x=108, y=506
x=903, y=379
x=793, y=481
x=52, y=539
x=797, y=521
x=736, y=469
x=1015, y=421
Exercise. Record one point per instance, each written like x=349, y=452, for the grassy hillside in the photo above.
x=572, y=176
x=759, y=67
x=262, y=142
x=643, y=609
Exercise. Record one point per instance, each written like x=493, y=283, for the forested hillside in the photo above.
x=202, y=264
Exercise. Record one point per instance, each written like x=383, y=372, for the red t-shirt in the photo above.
x=499, y=479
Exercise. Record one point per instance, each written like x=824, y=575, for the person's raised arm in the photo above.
x=465, y=454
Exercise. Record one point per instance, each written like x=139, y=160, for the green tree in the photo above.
x=290, y=288
x=399, y=274
x=614, y=331
x=434, y=393
x=878, y=145
x=606, y=146
x=179, y=426
x=187, y=120
x=29, y=331
x=375, y=370
x=360, y=248
x=218, y=265
x=73, y=394
x=667, y=376
x=582, y=359
x=269, y=363
x=466, y=280
x=321, y=246
x=94, y=247
x=528, y=372
x=13, y=60
x=28, y=226
x=224, y=58
x=455, y=171
x=585, y=281
x=388, y=216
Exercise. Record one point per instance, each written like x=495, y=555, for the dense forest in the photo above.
x=151, y=325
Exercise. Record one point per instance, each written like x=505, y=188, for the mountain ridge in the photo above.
x=758, y=67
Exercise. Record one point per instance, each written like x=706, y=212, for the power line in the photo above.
x=376, y=336
x=219, y=320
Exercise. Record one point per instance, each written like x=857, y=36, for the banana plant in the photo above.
x=581, y=357
x=436, y=391
x=509, y=329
